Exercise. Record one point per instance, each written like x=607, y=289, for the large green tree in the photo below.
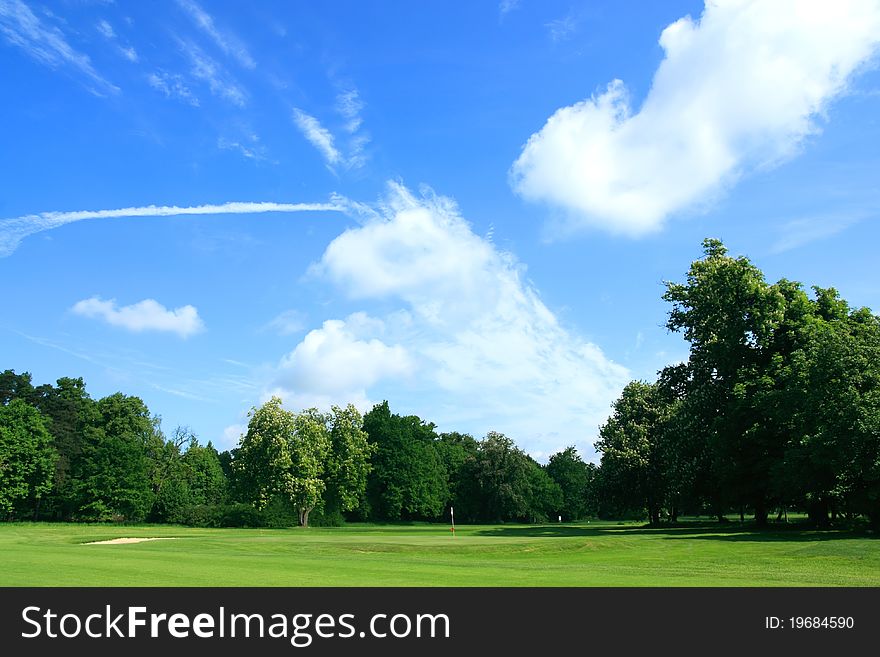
x=408, y=479
x=283, y=455
x=113, y=475
x=730, y=315
x=630, y=442
x=572, y=475
x=27, y=458
x=503, y=483
x=348, y=463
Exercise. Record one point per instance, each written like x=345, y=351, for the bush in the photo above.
x=279, y=514
x=240, y=515
x=200, y=515
x=324, y=518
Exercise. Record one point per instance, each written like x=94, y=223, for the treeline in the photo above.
x=776, y=409
x=67, y=457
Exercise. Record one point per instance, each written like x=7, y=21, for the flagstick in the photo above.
x=452, y=515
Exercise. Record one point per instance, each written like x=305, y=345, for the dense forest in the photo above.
x=776, y=409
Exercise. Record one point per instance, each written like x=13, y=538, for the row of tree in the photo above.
x=66, y=456
x=777, y=407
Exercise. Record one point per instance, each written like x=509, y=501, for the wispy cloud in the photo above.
x=226, y=41
x=146, y=315
x=48, y=45
x=317, y=135
x=205, y=68
x=109, y=33
x=506, y=6
x=106, y=29
x=172, y=85
x=352, y=155
x=251, y=148
x=561, y=28
x=125, y=364
x=287, y=323
x=802, y=231
x=349, y=105
x=13, y=231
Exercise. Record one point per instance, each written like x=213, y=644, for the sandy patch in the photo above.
x=123, y=541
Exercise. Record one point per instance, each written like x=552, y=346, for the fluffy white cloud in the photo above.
x=338, y=363
x=737, y=90
x=476, y=345
x=146, y=315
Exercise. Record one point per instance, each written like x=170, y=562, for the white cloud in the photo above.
x=561, y=28
x=172, y=86
x=13, y=231
x=146, y=315
x=804, y=230
x=349, y=105
x=106, y=29
x=252, y=149
x=205, y=68
x=352, y=155
x=317, y=135
x=109, y=33
x=477, y=347
x=337, y=362
x=737, y=90
x=226, y=41
x=287, y=323
x=48, y=45
x=507, y=5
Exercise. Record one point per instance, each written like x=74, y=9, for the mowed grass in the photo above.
x=589, y=554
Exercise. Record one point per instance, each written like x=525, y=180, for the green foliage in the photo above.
x=27, y=458
x=114, y=472
x=408, y=480
x=348, y=462
x=504, y=484
x=283, y=455
x=631, y=446
x=573, y=477
x=454, y=450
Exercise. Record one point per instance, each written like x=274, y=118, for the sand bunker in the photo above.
x=122, y=541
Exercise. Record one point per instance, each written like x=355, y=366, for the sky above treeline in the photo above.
x=465, y=208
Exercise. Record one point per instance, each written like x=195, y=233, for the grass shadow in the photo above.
x=699, y=530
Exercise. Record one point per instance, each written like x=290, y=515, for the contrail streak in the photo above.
x=13, y=231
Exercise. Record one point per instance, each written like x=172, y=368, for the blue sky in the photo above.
x=465, y=208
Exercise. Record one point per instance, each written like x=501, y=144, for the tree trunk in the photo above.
x=818, y=512
x=761, y=515
x=304, y=516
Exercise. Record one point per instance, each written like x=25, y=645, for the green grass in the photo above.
x=590, y=554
